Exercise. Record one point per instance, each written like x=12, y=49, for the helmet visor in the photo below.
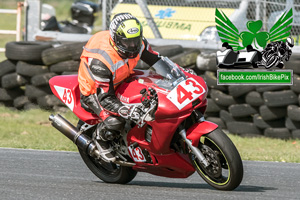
x=131, y=44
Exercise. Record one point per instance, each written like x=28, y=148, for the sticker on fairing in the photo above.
x=185, y=92
x=66, y=96
x=137, y=154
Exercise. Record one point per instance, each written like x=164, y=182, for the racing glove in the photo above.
x=133, y=113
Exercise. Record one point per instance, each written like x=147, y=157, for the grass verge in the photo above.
x=267, y=149
x=32, y=130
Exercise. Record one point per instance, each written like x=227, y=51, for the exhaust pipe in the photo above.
x=84, y=142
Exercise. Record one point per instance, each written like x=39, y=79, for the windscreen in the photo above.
x=171, y=73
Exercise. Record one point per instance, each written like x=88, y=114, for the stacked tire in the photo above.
x=183, y=57
x=24, y=76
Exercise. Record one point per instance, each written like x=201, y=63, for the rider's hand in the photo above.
x=124, y=111
x=133, y=113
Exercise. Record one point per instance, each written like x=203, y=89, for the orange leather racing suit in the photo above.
x=101, y=70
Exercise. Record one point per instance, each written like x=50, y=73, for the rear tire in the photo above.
x=225, y=171
x=254, y=65
x=62, y=53
x=107, y=172
x=26, y=51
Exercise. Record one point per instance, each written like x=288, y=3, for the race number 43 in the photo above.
x=186, y=92
x=66, y=96
x=137, y=154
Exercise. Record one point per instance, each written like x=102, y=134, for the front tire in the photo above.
x=225, y=170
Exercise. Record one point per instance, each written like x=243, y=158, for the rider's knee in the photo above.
x=114, y=123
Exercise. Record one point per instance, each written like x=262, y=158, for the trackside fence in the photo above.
x=17, y=32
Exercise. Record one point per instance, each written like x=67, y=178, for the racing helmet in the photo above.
x=289, y=42
x=126, y=34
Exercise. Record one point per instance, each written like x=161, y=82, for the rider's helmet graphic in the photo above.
x=289, y=42
x=126, y=34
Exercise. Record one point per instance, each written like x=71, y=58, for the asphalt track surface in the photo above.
x=31, y=174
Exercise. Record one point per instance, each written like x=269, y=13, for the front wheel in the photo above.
x=225, y=170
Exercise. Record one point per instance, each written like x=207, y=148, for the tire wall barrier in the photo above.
x=272, y=111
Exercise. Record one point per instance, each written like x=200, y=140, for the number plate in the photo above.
x=66, y=96
x=137, y=154
x=185, y=92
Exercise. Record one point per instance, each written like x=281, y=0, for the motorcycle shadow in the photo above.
x=171, y=185
x=241, y=188
x=252, y=188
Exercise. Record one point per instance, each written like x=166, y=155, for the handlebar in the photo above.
x=140, y=113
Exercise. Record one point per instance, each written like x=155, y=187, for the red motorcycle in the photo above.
x=166, y=135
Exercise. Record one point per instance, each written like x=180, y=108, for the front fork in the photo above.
x=195, y=150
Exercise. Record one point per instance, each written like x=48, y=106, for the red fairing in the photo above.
x=129, y=93
x=66, y=88
x=175, y=165
x=166, y=162
x=161, y=139
x=167, y=109
x=195, y=132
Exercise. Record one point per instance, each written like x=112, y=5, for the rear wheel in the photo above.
x=254, y=65
x=107, y=172
x=225, y=170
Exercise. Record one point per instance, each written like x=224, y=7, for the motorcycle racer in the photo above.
x=281, y=49
x=108, y=58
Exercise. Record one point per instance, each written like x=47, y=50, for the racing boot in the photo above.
x=106, y=132
x=104, y=147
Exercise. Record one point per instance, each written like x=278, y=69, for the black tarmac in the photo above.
x=32, y=174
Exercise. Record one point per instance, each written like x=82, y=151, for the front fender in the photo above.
x=197, y=130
